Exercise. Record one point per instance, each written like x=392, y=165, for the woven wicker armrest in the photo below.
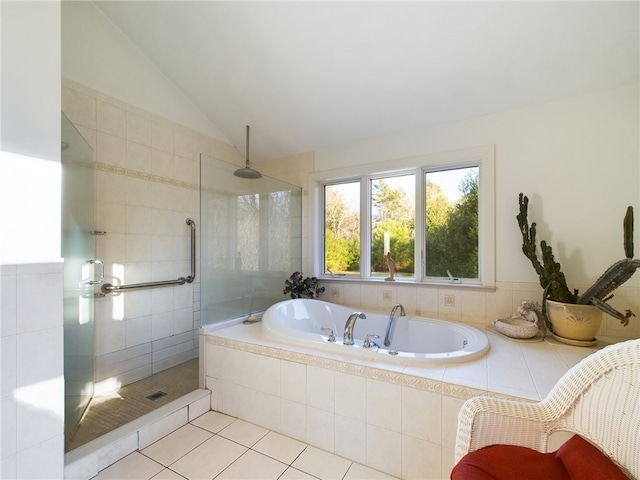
x=484, y=421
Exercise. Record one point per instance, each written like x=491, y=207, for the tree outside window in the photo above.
x=451, y=239
x=393, y=225
x=342, y=228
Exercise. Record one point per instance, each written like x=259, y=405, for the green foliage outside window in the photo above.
x=392, y=213
x=342, y=230
x=342, y=254
x=452, y=231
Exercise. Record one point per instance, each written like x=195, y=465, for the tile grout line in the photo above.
x=182, y=456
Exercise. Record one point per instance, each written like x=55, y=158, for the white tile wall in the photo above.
x=351, y=438
x=293, y=418
x=352, y=397
x=268, y=411
x=32, y=386
x=384, y=449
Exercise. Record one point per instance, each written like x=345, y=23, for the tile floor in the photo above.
x=218, y=446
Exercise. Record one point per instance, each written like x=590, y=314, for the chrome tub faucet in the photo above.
x=348, y=327
x=387, y=336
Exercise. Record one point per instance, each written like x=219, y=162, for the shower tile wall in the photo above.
x=147, y=186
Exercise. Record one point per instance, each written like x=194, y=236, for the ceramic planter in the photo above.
x=575, y=323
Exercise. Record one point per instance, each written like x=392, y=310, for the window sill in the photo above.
x=408, y=282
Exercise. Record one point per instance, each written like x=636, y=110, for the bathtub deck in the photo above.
x=526, y=369
x=396, y=418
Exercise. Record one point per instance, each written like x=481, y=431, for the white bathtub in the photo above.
x=414, y=339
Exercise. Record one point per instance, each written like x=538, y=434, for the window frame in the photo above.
x=483, y=157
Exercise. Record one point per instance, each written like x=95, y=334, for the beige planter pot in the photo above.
x=574, y=322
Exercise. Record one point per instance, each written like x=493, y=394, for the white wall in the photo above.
x=97, y=54
x=30, y=91
x=32, y=387
x=577, y=160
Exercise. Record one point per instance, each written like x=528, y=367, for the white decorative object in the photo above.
x=516, y=327
x=527, y=322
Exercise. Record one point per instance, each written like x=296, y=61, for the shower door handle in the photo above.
x=95, y=282
x=101, y=278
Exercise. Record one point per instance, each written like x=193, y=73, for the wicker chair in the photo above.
x=598, y=399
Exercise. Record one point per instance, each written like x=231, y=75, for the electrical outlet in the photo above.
x=335, y=292
x=386, y=296
x=449, y=300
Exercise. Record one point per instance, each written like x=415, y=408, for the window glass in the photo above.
x=392, y=226
x=342, y=228
x=451, y=223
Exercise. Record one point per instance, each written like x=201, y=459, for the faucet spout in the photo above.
x=387, y=337
x=348, y=327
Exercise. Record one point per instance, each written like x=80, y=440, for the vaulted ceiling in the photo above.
x=311, y=75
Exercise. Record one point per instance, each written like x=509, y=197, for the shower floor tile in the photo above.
x=108, y=412
x=273, y=457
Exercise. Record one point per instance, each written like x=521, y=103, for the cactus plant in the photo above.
x=553, y=281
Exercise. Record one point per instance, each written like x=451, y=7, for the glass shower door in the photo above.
x=81, y=272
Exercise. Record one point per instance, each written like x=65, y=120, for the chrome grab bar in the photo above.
x=192, y=277
x=110, y=288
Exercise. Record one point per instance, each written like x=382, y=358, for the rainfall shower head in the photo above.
x=247, y=171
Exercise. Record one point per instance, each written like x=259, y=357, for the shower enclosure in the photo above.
x=251, y=241
x=81, y=272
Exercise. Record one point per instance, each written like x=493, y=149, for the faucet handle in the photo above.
x=367, y=341
x=332, y=336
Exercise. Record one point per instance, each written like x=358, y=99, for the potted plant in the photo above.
x=298, y=287
x=579, y=311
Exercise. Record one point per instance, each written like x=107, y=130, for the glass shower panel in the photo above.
x=248, y=231
x=81, y=271
x=250, y=240
x=285, y=231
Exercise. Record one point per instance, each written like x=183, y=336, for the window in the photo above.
x=393, y=225
x=342, y=228
x=451, y=221
x=433, y=215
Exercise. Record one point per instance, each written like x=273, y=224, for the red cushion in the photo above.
x=577, y=459
x=508, y=462
x=584, y=461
